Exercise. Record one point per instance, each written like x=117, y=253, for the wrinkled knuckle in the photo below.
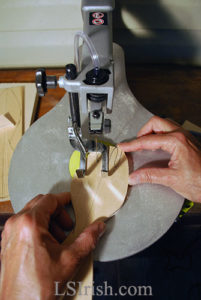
x=9, y=224
x=90, y=240
x=173, y=139
x=39, y=195
x=147, y=177
x=46, y=198
x=26, y=227
x=155, y=118
x=32, y=202
x=170, y=181
x=72, y=256
x=49, y=196
x=180, y=136
x=26, y=220
x=76, y=257
x=10, y=221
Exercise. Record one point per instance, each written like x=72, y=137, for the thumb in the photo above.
x=72, y=255
x=162, y=176
x=87, y=240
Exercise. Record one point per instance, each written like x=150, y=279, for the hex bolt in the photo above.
x=96, y=114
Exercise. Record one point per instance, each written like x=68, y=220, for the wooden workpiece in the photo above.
x=97, y=196
x=102, y=195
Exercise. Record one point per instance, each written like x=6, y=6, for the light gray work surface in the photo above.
x=40, y=165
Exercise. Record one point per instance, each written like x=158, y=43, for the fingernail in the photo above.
x=101, y=228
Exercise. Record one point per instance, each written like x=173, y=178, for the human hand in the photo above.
x=184, y=168
x=31, y=257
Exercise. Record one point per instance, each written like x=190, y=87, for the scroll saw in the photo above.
x=98, y=105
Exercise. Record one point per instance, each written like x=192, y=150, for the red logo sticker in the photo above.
x=98, y=21
x=98, y=15
x=97, y=18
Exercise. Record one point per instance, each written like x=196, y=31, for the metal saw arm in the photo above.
x=90, y=82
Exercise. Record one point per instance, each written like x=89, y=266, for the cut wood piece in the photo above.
x=5, y=121
x=190, y=126
x=97, y=197
x=30, y=101
x=11, y=101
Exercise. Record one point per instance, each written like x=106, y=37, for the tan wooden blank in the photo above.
x=30, y=100
x=11, y=102
x=97, y=197
x=190, y=126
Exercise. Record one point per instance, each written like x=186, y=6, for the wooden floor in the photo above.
x=165, y=90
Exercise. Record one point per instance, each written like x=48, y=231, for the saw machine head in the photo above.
x=89, y=82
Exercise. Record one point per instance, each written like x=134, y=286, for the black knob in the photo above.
x=71, y=72
x=97, y=76
x=43, y=82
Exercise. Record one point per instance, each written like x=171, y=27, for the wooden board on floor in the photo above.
x=11, y=102
x=190, y=126
x=30, y=101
